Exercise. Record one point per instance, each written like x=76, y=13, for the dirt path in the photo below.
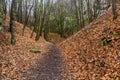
x=50, y=67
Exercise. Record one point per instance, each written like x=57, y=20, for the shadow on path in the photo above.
x=50, y=67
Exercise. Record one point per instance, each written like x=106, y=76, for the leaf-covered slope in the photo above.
x=15, y=60
x=87, y=56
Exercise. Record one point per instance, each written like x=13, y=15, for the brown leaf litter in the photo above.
x=82, y=56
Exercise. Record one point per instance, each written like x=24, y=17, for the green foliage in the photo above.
x=69, y=19
x=35, y=50
x=115, y=33
x=104, y=42
x=2, y=28
x=1, y=13
x=32, y=27
x=74, y=16
x=52, y=18
x=53, y=37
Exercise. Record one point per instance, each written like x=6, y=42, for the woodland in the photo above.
x=59, y=39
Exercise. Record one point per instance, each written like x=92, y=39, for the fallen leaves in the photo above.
x=93, y=60
x=83, y=53
x=15, y=60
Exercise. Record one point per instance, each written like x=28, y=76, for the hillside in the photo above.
x=15, y=60
x=94, y=52
x=22, y=62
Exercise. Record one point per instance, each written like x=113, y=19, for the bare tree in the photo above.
x=19, y=11
x=35, y=16
x=41, y=20
x=114, y=9
x=12, y=19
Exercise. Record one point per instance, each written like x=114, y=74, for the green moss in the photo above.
x=35, y=50
x=115, y=33
x=104, y=41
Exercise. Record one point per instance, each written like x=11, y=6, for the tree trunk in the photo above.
x=114, y=9
x=12, y=19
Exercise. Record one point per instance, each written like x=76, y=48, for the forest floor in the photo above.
x=91, y=54
x=50, y=67
x=94, y=52
x=21, y=62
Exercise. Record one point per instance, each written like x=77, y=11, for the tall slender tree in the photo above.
x=114, y=9
x=28, y=9
x=41, y=20
x=12, y=19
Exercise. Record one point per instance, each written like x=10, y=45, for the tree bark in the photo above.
x=114, y=9
x=12, y=19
